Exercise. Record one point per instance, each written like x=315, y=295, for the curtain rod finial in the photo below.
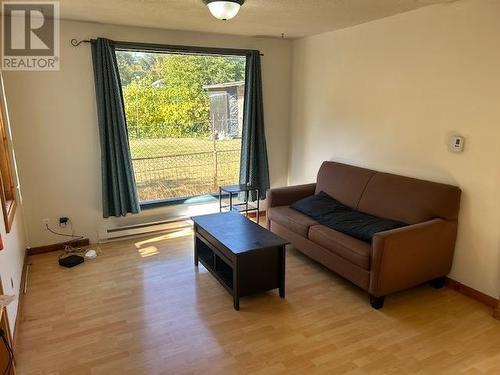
x=76, y=43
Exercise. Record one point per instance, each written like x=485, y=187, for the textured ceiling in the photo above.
x=270, y=18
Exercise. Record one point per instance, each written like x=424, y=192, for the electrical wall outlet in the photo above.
x=46, y=220
x=456, y=143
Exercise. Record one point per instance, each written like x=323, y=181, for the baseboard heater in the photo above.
x=163, y=226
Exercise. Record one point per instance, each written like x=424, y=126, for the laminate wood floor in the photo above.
x=142, y=308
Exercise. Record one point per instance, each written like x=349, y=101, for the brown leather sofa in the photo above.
x=396, y=259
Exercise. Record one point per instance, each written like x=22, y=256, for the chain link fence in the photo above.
x=168, y=167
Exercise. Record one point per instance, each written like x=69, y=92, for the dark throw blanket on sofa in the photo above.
x=330, y=212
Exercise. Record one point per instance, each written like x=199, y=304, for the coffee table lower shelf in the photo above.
x=221, y=271
x=241, y=274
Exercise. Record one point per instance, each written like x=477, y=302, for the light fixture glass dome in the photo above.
x=224, y=10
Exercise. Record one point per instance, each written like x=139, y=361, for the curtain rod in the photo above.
x=174, y=48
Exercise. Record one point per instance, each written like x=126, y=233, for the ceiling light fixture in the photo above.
x=224, y=10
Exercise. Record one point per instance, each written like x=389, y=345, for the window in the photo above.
x=185, y=117
x=8, y=189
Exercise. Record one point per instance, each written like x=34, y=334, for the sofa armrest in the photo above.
x=285, y=196
x=409, y=256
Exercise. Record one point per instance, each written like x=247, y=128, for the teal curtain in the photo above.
x=119, y=193
x=254, y=167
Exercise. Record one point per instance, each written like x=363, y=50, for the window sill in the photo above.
x=209, y=198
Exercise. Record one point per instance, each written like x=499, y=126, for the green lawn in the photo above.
x=141, y=148
x=182, y=167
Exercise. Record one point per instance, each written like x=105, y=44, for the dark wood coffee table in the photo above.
x=244, y=257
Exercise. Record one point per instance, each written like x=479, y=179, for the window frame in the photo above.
x=8, y=196
x=121, y=46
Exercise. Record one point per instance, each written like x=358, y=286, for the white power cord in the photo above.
x=69, y=249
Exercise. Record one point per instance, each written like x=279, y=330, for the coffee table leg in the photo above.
x=236, y=286
x=282, y=271
x=220, y=199
x=236, y=303
x=195, y=248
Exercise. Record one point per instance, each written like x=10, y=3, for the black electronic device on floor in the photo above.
x=71, y=261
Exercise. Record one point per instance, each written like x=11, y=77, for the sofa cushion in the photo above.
x=291, y=219
x=328, y=211
x=409, y=199
x=354, y=273
x=344, y=182
x=318, y=205
x=358, y=224
x=355, y=251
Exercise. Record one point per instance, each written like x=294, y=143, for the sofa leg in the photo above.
x=438, y=283
x=377, y=302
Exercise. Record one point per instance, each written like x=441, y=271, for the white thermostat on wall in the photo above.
x=457, y=143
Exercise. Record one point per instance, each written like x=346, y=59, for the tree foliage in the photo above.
x=164, y=93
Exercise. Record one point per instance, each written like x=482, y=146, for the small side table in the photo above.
x=243, y=206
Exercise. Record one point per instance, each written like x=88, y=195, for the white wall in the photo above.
x=389, y=93
x=14, y=244
x=55, y=127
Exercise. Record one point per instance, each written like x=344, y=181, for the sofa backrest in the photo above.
x=408, y=199
x=388, y=195
x=344, y=182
